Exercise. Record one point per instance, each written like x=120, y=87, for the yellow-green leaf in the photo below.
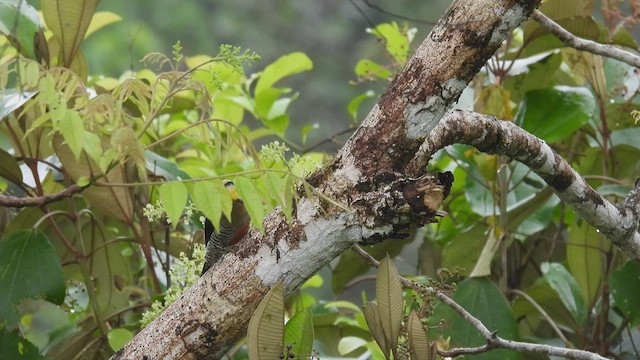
x=390, y=302
x=286, y=65
x=72, y=131
x=213, y=200
x=299, y=334
x=174, y=196
x=68, y=20
x=483, y=265
x=585, y=257
x=265, y=337
x=101, y=19
x=372, y=316
x=114, y=201
x=92, y=146
x=249, y=194
x=273, y=183
x=118, y=338
x=418, y=343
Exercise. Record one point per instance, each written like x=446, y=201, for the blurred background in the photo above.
x=332, y=32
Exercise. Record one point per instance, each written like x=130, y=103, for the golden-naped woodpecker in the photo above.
x=218, y=241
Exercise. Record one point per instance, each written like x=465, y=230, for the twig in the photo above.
x=493, y=340
x=16, y=202
x=618, y=222
x=544, y=315
x=329, y=139
x=582, y=44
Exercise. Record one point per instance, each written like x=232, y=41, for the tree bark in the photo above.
x=369, y=174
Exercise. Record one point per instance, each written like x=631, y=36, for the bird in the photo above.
x=218, y=241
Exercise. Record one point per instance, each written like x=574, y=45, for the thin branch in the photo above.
x=583, y=44
x=17, y=202
x=332, y=138
x=493, y=340
x=618, y=222
x=399, y=16
x=544, y=315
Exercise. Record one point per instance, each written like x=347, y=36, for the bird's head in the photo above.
x=232, y=189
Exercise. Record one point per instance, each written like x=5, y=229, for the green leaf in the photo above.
x=628, y=136
x=549, y=300
x=68, y=20
x=483, y=265
x=299, y=334
x=213, y=199
x=465, y=249
x=92, y=146
x=419, y=345
x=314, y=282
x=43, y=323
x=19, y=22
x=273, y=184
x=372, y=316
x=114, y=201
x=625, y=291
x=12, y=346
x=354, y=104
x=265, y=337
x=389, y=299
x=554, y=113
x=396, y=41
x=620, y=191
x=624, y=38
x=29, y=268
x=118, y=338
x=265, y=101
x=249, y=194
x=585, y=258
x=367, y=68
x=163, y=167
x=101, y=19
x=349, y=344
x=284, y=66
x=9, y=168
x=173, y=196
x=72, y=131
x=306, y=130
x=484, y=300
x=567, y=288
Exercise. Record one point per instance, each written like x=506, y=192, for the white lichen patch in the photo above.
x=294, y=263
x=511, y=17
x=307, y=210
x=547, y=159
x=349, y=174
x=452, y=88
x=422, y=117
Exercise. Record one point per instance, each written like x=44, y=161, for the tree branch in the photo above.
x=16, y=202
x=617, y=222
x=583, y=44
x=493, y=340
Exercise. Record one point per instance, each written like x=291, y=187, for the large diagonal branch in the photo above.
x=367, y=175
x=618, y=222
